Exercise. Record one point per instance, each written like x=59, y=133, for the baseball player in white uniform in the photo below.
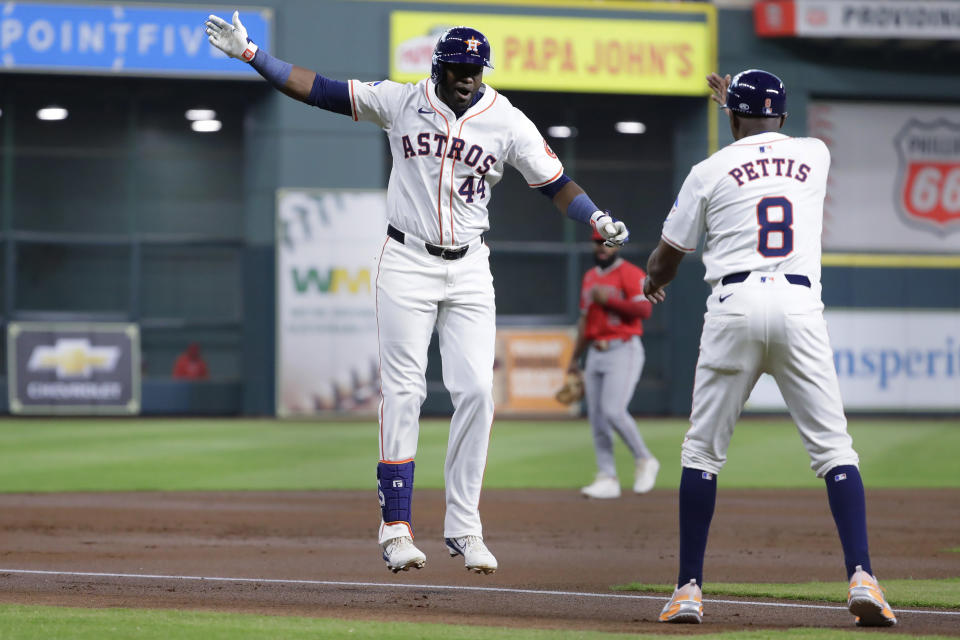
x=450, y=136
x=759, y=202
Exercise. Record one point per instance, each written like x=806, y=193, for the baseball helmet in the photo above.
x=757, y=93
x=460, y=45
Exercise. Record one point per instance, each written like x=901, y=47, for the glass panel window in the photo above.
x=189, y=159
x=191, y=282
x=70, y=156
x=80, y=278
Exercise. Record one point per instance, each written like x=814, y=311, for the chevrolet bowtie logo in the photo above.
x=73, y=358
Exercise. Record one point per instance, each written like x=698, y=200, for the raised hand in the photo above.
x=719, y=87
x=230, y=38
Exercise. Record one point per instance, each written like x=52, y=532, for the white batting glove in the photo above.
x=230, y=38
x=614, y=232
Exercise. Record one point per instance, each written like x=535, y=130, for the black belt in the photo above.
x=740, y=276
x=432, y=249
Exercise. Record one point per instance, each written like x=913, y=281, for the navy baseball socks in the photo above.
x=395, y=491
x=848, y=505
x=698, y=497
x=865, y=597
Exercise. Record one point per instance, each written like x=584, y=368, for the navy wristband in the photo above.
x=274, y=70
x=581, y=208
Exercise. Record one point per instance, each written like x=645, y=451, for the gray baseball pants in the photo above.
x=609, y=379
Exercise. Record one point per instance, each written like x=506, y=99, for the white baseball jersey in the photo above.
x=444, y=168
x=760, y=202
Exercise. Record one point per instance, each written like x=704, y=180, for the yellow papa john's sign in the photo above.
x=588, y=55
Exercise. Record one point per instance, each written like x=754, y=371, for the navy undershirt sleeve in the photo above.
x=552, y=189
x=332, y=95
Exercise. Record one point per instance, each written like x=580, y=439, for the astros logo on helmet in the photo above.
x=460, y=45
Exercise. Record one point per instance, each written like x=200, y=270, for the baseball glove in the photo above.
x=572, y=389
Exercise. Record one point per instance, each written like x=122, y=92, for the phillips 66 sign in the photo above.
x=928, y=189
x=894, y=183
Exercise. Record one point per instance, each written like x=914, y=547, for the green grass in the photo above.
x=39, y=455
x=42, y=623
x=900, y=593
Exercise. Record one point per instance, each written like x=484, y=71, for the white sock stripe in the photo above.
x=442, y=587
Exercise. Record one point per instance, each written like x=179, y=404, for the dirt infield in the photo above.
x=544, y=540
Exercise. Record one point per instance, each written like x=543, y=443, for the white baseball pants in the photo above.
x=766, y=325
x=416, y=292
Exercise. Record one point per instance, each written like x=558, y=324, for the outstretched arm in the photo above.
x=661, y=270
x=297, y=82
x=571, y=200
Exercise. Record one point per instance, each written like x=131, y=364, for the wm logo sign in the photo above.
x=333, y=280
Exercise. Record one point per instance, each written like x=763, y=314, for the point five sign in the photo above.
x=131, y=39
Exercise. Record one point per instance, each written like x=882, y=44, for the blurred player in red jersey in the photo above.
x=190, y=365
x=613, y=308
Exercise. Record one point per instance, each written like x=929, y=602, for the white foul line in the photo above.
x=441, y=587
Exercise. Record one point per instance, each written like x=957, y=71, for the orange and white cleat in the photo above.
x=865, y=601
x=686, y=605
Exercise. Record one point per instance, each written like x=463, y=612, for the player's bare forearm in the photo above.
x=299, y=83
x=566, y=195
x=661, y=270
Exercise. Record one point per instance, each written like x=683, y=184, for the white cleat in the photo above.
x=400, y=554
x=686, y=605
x=646, y=475
x=866, y=602
x=603, y=488
x=476, y=556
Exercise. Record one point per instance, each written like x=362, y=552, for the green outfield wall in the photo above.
x=177, y=232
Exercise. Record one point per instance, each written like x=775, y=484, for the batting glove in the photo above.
x=614, y=232
x=230, y=38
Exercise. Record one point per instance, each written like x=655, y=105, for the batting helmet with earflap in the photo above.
x=757, y=93
x=461, y=45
